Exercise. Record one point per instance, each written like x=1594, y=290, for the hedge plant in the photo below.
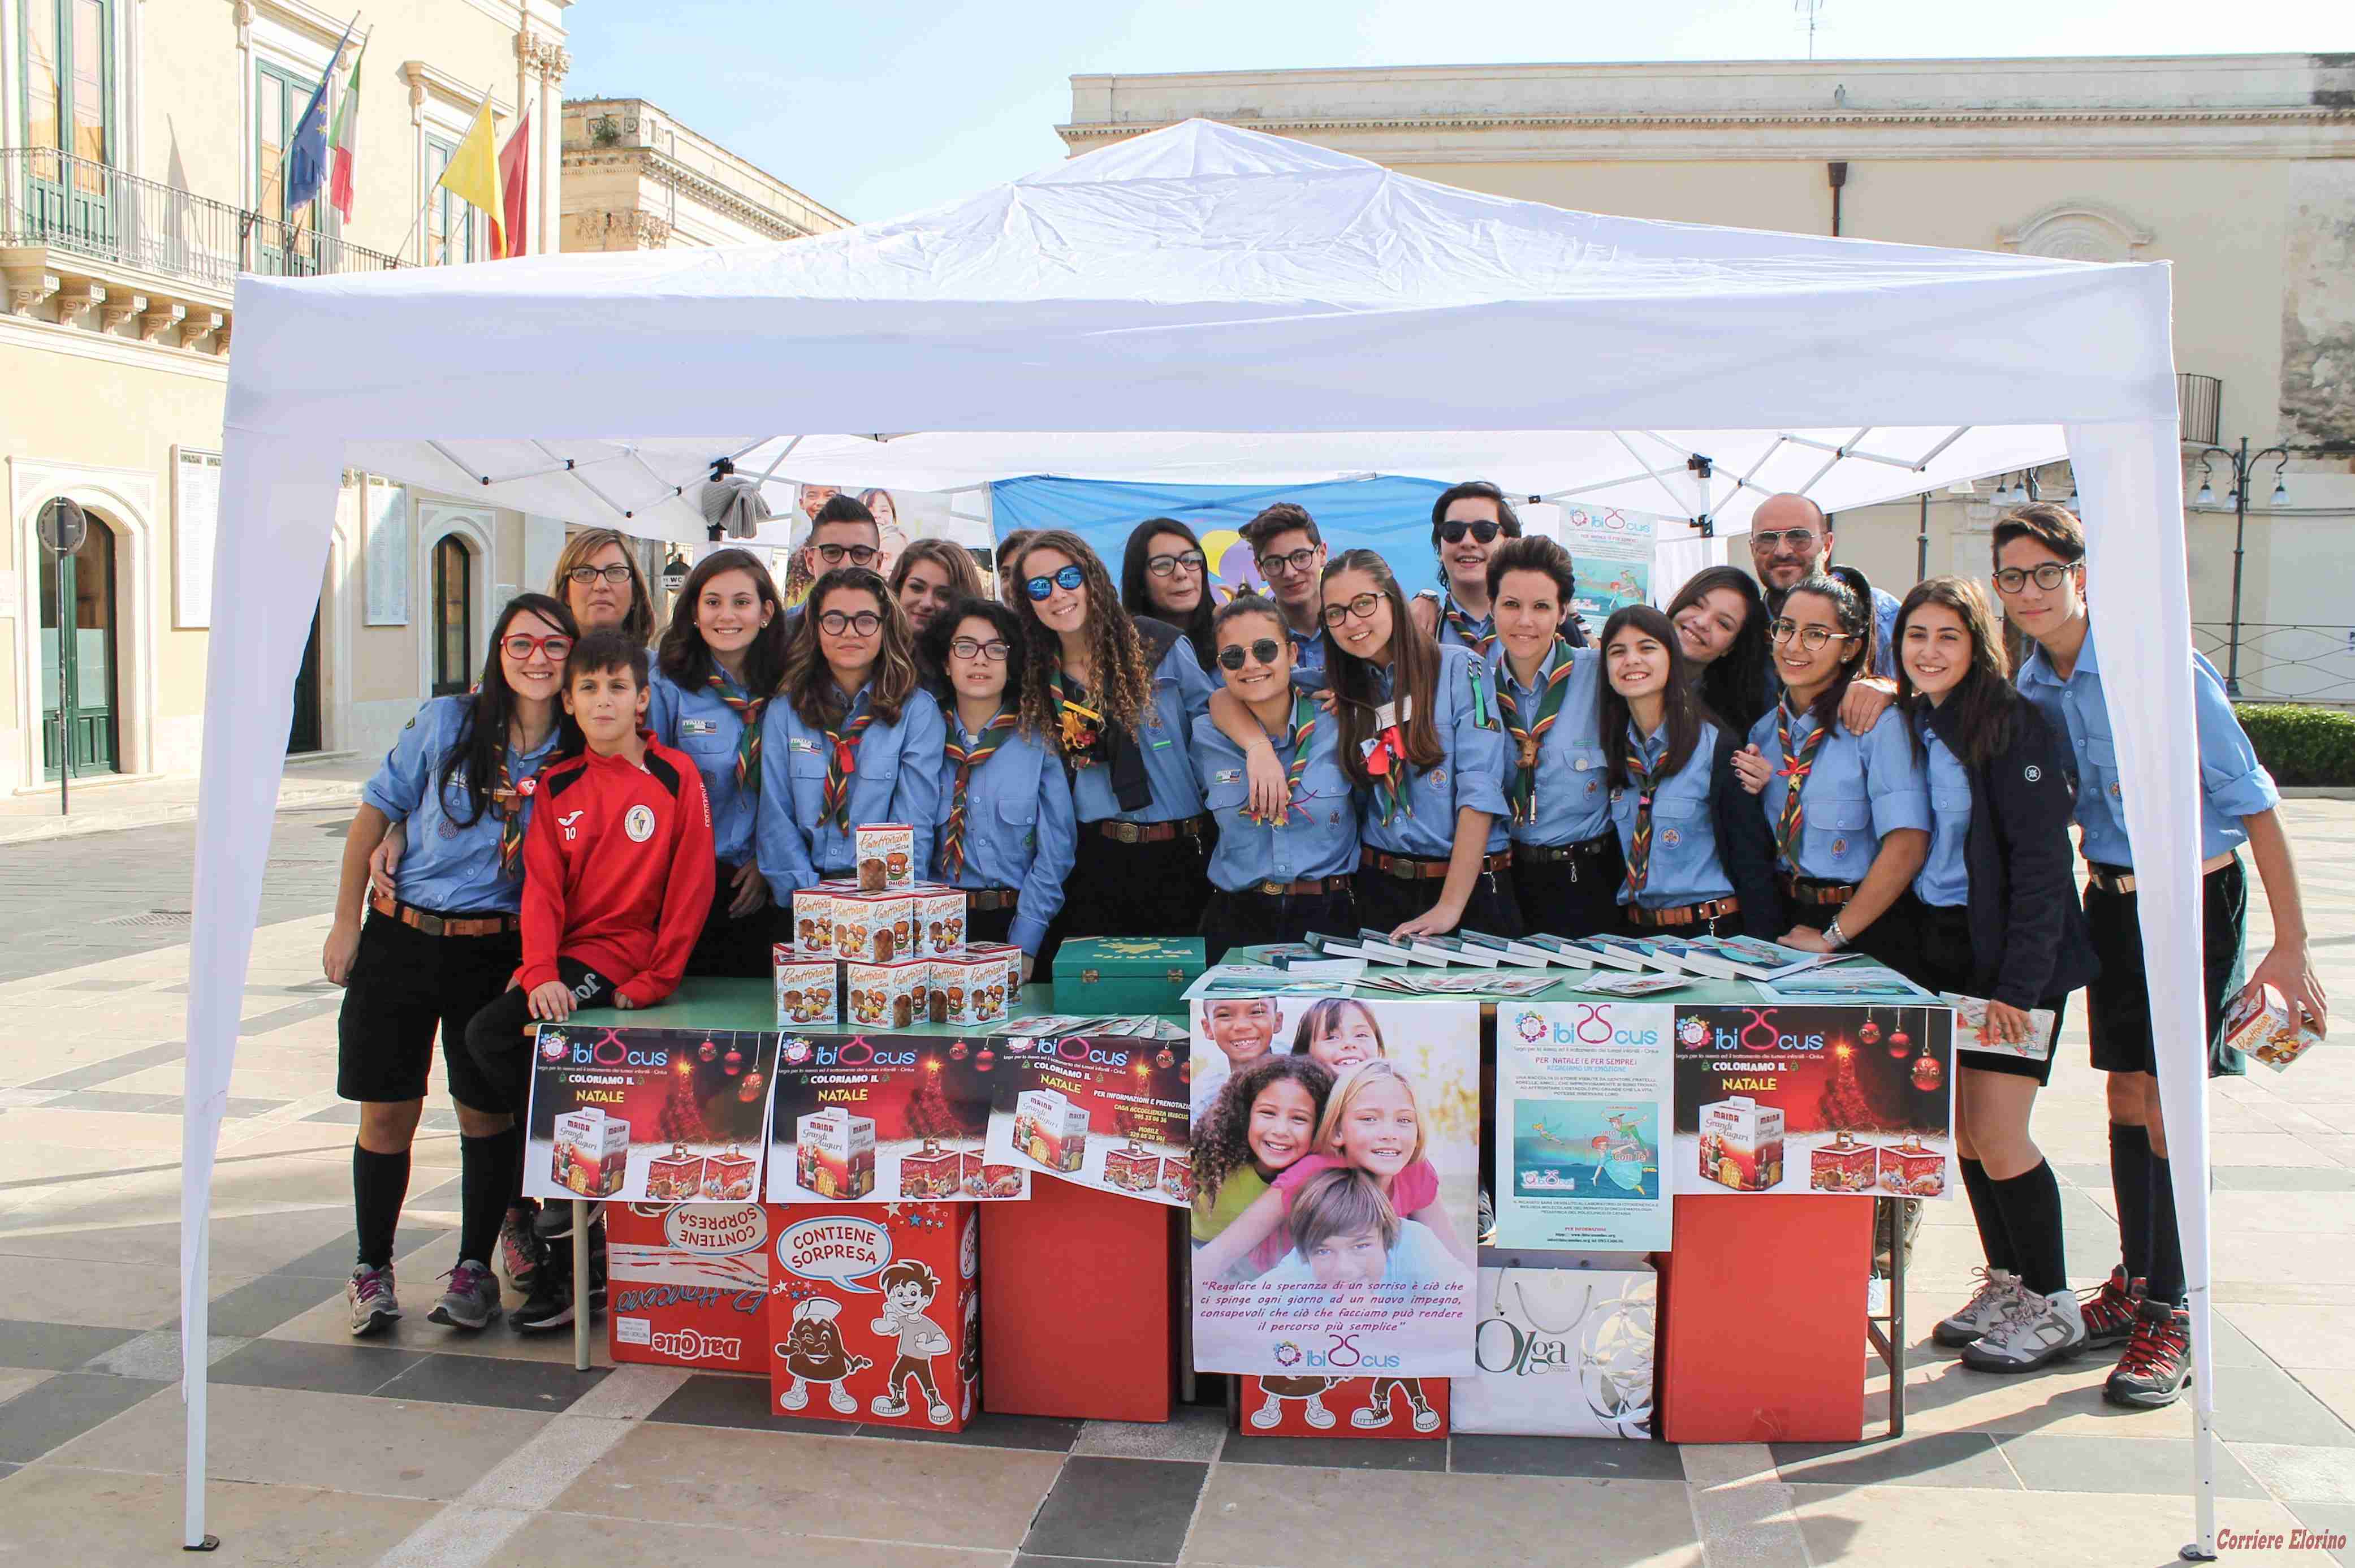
x=2300, y=745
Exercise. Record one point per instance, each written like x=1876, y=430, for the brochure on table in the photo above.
x=885, y=1118
x=1099, y=1110
x=1583, y=1105
x=636, y=1115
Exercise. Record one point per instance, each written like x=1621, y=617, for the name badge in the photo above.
x=796, y=744
x=698, y=727
x=1227, y=776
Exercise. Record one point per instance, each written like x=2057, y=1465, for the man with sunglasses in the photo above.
x=1290, y=555
x=1467, y=521
x=1791, y=538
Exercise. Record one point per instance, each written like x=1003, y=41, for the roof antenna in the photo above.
x=1809, y=8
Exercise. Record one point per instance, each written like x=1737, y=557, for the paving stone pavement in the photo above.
x=426, y=1447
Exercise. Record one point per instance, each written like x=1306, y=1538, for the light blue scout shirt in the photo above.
x=2232, y=782
x=1684, y=867
x=1471, y=774
x=1452, y=636
x=1863, y=788
x=1181, y=694
x=1323, y=845
x=1946, y=877
x=1573, y=803
x=448, y=868
x=897, y=780
x=694, y=720
x=1308, y=656
x=1019, y=831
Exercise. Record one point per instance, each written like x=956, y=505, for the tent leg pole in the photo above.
x=196, y=1333
x=582, y=1209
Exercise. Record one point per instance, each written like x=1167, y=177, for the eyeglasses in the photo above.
x=995, y=650
x=1274, y=566
x=834, y=622
x=1266, y=651
x=1071, y=577
x=832, y=554
x=616, y=574
x=1163, y=565
x=521, y=646
x=2012, y=578
x=1362, y=607
x=1453, y=531
x=1771, y=539
x=1810, y=637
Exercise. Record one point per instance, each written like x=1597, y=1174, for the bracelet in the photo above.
x=1835, y=935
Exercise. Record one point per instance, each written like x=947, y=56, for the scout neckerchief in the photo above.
x=841, y=768
x=1523, y=793
x=1303, y=726
x=985, y=746
x=748, y=710
x=1481, y=642
x=511, y=798
x=1089, y=739
x=1796, y=766
x=1385, y=757
x=1639, y=842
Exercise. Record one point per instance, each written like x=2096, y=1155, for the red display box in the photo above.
x=689, y=1284
x=1132, y=1170
x=732, y=1178
x=1843, y=1165
x=676, y=1177
x=1110, y=1358
x=1343, y=1407
x=1913, y=1170
x=875, y=1314
x=937, y=1172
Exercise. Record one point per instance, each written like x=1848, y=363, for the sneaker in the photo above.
x=2158, y=1359
x=472, y=1300
x=549, y=1304
x=518, y=1256
x=1486, y=1235
x=1314, y=1409
x=1370, y=1416
x=369, y=1295
x=2034, y=1331
x=2109, y=1309
x=1426, y=1419
x=1998, y=1289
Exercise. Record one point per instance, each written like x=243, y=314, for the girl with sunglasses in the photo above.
x=1007, y=834
x=854, y=738
x=1422, y=743
x=439, y=948
x=1274, y=878
x=1165, y=575
x=716, y=669
x=1116, y=695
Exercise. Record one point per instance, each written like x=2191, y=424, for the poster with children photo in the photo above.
x=1335, y=1188
x=1098, y=1109
x=640, y=1116
x=885, y=1118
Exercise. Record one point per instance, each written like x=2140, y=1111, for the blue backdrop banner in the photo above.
x=1385, y=513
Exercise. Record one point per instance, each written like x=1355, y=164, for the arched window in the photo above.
x=453, y=616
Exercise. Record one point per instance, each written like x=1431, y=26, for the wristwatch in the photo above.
x=1833, y=936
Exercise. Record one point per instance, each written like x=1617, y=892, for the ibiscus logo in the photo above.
x=1591, y=1023
x=1343, y=1355
x=612, y=1050
x=1532, y=1028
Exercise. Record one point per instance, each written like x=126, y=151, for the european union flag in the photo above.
x=306, y=154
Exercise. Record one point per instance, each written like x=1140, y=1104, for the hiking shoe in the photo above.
x=2158, y=1359
x=1997, y=1288
x=2108, y=1310
x=369, y=1295
x=516, y=1253
x=2034, y=1331
x=472, y=1300
x=550, y=1306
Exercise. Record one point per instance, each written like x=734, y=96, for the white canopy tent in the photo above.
x=1208, y=305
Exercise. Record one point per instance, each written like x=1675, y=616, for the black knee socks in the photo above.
x=1994, y=1241
x=2031, y=1208
x=379, y=1185
x=2130, y=1183
x=486, y=1171
x=2166, y=1246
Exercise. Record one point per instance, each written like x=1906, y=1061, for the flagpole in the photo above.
x=332, y=66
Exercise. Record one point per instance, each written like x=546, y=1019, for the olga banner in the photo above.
x=1582, y=1105
x=1333, y=1161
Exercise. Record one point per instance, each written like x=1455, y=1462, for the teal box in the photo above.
x=1098, y=975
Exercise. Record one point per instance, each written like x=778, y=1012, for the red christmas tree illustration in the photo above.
x=682, y=1119
x=930, y=1113
x=1843, y=1106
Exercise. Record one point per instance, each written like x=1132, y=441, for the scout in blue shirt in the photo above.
x=1279, y=875
x=1467, y=523
x=718, y=665
x=445, y=944
x=1007, y=832
x=1290, y=553
x=851, y=738
x=1116, y=696
x=2040, y=559
x=1851, y=813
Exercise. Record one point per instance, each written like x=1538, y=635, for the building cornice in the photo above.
x=653, y=164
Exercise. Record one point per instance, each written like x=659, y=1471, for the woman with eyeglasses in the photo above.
x=1424, y=745
x=1116, y=695
x=1721, y=621
x=854, y=736
x=1007, y=834
x=441, y=945
x=1277, y=877
x=1850, y=813
x=718, y=663
x=1166, y=576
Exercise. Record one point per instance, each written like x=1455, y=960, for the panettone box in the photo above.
x=806, y=988
x=1097, y=977
x=893, y=996
x=875, y=928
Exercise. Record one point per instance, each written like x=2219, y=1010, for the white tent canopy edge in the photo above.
x=1201, y=278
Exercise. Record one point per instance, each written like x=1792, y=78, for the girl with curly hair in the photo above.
x=1116, y=695
x=1262, y=1123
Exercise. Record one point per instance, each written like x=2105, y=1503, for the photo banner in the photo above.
x=1335, y=1160
x=884, y=1118
x=1583, y=1108
x=1611, y=554
x=1109, y=1111
x=640, y=1116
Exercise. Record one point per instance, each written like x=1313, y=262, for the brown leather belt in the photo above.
x=433, y=924
x=1120, y=832
x=2118, y=880
x=1309, y=887
x=1554, y=854
x=981, y=900
x=1813, y=890
x=1411, y=867
x=1683, y=914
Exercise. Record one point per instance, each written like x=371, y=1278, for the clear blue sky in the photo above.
x=880, y=110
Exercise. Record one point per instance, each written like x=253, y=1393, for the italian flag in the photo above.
x=344, y=142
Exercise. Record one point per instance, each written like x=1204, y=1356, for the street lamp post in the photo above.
x=2243, y=461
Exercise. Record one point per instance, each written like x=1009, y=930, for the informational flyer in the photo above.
x=1815, y=1098
x=648, y=1116
x=1104, y=1110
x=886, y=1118
x=1335, y=1160
x=1583, y=1103
x=1611, y=552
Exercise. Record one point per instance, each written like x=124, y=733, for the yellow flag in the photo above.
x=472, y=176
